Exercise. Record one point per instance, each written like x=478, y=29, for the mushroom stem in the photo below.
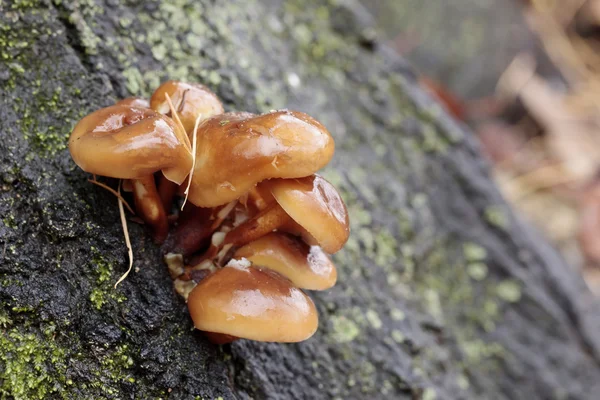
x=150, y=208
x=195, y=228
x=193, y=231
x=261, y=224
x=166, y=191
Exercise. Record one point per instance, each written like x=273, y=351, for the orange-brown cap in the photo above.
x=252, y=303
x=316, y=206
x=134, y=102
x=308, y=267
x=235, y=151
x=189, y=99
x=130, y=143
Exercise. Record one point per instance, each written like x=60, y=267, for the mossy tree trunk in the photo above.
x=442, y=291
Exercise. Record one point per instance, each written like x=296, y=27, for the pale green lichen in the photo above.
x=474, y=252
x=397, y=314
x=398, y=336
x=497, y=216
x=477, y=271
x=429, y=394
x=432, y=140
x=477, y=351
x=374, y=319
x=344, y=329
x=509, y=290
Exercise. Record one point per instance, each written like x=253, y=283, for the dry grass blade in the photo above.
x=175, y=117
x=191, y=174
x=118, y=195
x=127, y=241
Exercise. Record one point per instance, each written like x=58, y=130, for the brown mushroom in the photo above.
x=308, y=267
x=193, y=104
x=235, y=151
x=311, y=202
x=189, y=100
x=133, y=143
x=134, y=102
x=251, y=303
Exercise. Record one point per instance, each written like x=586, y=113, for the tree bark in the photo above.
x=443, y=293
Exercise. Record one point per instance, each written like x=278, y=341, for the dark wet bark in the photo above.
x=442, y=291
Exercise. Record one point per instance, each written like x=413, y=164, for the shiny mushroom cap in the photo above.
x=308, y=267
x=252, y=303
x=235, y=151
x=134, y=102
x=190, y=101
x=315, y=205
x=130, y=143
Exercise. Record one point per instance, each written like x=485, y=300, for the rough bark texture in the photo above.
x=442, y=292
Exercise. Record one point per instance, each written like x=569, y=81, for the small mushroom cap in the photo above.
x=308, y=267
x=134, y=102
x=190, y=101
x=252, y=303
x=235, y=151
x=316, y=206
x=130, y=143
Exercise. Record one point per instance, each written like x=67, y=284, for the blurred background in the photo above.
x=525, y=76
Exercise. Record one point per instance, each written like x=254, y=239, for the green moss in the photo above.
x=98, y=298
x=45, y=113
x=117, y=362
x=10, y=222
x=104, y=291
x=31, y=366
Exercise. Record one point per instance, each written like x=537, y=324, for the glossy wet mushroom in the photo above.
x=252, y=303
x=308, y=206
x=190, y=100
x=128, y=142
x=307, y=267
x=193, y=103
x=235, y=151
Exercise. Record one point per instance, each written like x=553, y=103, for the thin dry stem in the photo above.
x=127, y=241
x=175, y=116
x=104, y=186
x=191, y=175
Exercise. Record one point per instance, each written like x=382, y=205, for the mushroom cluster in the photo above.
x=257, y=225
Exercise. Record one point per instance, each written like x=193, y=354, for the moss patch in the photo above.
x=104, y=290
x=26, y=359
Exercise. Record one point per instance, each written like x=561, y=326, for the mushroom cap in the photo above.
x=138, y=102
x=189, y=99
x=308, y=267
x=130, y=143
x=252, y=303
x=235, y=151
x=316, y=206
